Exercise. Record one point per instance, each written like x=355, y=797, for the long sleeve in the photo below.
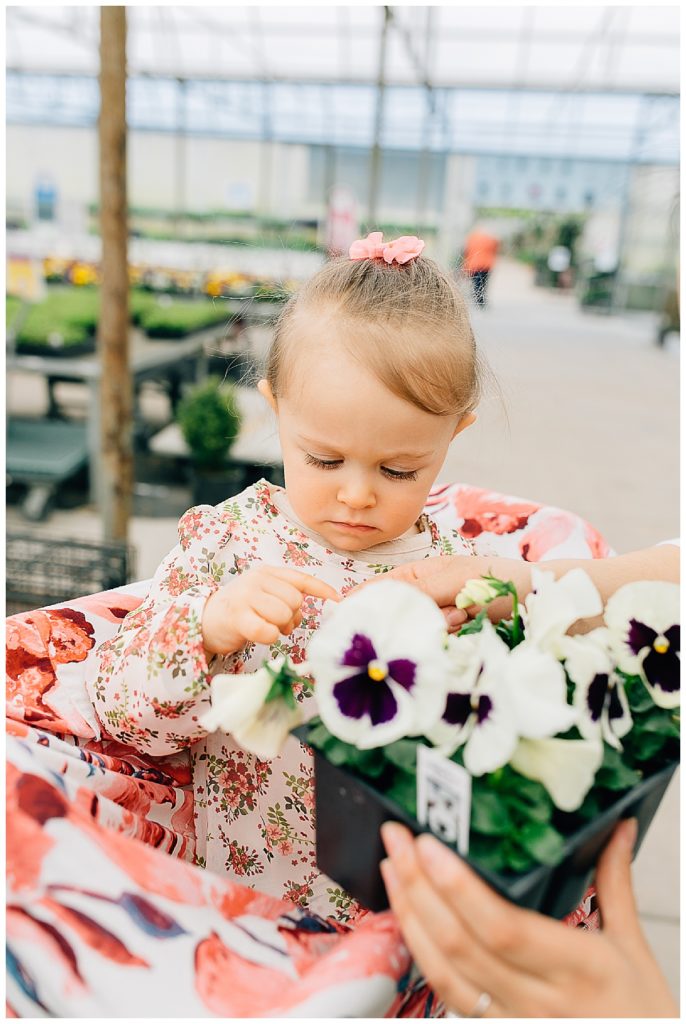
x=150, y=683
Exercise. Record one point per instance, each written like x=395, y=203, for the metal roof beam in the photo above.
x=449, y=86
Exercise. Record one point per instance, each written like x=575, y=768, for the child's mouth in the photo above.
x=356, y=527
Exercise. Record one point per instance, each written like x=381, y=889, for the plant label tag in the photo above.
x=444, y=797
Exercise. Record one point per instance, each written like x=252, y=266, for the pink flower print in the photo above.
x=273, y=835
x=308, y=799
x=598, y=546
x=541, y=537
x=296, y=554
x=298, y=894
x=178, y=581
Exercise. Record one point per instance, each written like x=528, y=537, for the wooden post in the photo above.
x=116, y=469
x=375, y=160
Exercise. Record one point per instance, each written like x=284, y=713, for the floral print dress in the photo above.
x=254, y=820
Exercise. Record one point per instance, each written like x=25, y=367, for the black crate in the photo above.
x=44, y=570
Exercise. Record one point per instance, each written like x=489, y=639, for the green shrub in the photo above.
x=210, y=421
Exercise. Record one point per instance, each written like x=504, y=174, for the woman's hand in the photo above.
x=257, y=607
x=443, y=577
x=467, y=940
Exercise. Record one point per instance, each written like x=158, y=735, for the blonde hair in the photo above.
x=408, y=324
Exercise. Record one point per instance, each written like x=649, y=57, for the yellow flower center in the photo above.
x=377, y=670
x=661, y=644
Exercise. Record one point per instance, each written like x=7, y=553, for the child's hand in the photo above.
x=257, y=607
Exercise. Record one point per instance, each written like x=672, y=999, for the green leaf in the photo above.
x=489, y=852
x=543, y=842
x=614, y=772
x=490, y=815
x=540, y=810
x=591, y=807
x=318, y=735
x=337, y=753
x=366, y=762
x=474, y=625
x=637, y=693
x=403, y=754
x=517, y=859
x=644, y=745
x=658, y=721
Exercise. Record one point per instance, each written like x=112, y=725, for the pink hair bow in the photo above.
x=402, y=250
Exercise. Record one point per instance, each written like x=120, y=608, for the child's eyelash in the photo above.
x=396, y=474
x=391, y=474
x=311, y=460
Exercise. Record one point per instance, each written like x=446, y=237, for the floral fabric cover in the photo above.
x=110, y=910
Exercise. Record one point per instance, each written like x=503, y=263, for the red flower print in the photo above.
x=486, y=511
x=37, y=643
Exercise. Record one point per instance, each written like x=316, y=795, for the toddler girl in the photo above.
x=372, y=372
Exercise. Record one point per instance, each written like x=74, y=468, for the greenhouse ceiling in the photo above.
x=595, y=82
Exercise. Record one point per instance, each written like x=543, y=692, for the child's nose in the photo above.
x=356, y=493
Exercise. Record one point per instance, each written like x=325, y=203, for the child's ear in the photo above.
x=265, y=389
x=465, y=422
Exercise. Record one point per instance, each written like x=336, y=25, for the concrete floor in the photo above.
x=587, y=418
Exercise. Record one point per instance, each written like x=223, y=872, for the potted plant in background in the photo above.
x=518, y=744
x=210, y=422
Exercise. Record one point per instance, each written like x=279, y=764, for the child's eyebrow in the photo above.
x=319, y=443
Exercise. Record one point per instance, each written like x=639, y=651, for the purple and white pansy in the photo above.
x=643, y=620
x=598, y=691
x=380, y=664
x=498, y=696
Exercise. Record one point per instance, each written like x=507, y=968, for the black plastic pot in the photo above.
x=211, y=488
x=350, y=813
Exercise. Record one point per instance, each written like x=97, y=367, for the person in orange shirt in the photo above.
x=480, y=251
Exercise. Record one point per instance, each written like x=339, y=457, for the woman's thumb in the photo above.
x=614, y=884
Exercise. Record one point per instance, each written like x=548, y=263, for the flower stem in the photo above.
x=516, y=621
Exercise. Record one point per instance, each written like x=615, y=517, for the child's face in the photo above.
x=358, y=461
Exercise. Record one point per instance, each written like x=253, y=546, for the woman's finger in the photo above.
x=614, y=886
x=522, y=938
x=476, y=963
x=442, y=973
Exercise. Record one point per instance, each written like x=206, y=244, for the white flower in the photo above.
x=554, y=605
x=567, y=768
x=598, y=692
x=238, y=707
x=498, y=697
x=643, y=619
x=380, y=665
x=477, y=591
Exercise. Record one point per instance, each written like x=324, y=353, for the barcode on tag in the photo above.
x=444, y=797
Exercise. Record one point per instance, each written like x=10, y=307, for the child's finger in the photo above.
x=289, y=594
x=307, y=584
x=454, y=617
x=254, y=629
x=272, y=609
